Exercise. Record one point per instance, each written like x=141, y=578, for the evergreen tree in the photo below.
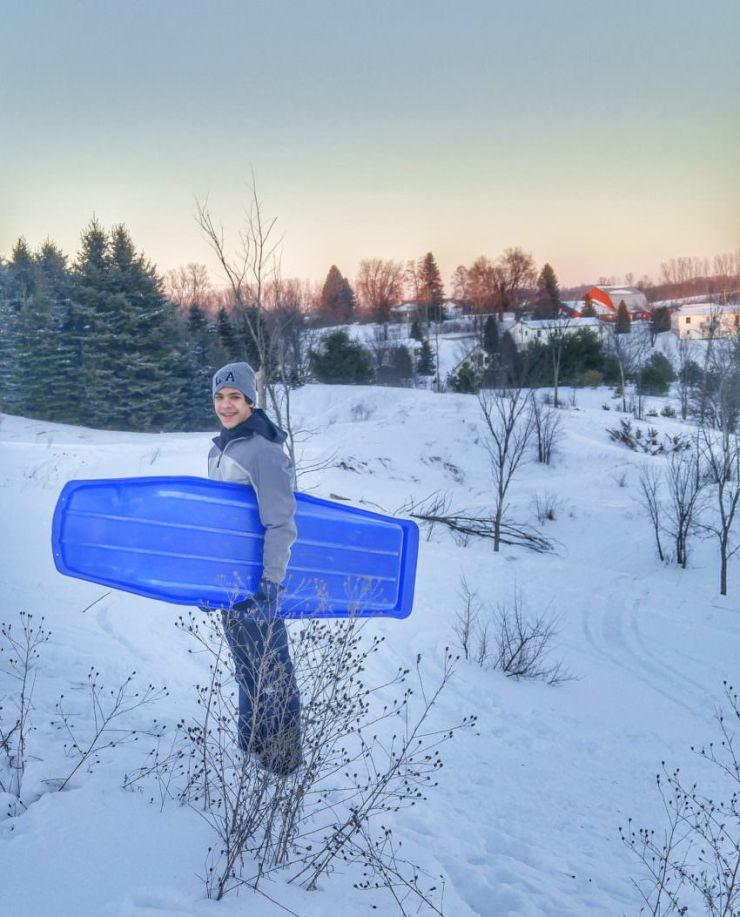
x=548, y=294
x=88, y=319
x=337, y=297
x=202, y=348
x=624, y=320
x=132, y=358
x=150, y=377
x=465, y=381
x=491, y=343
x=656, y=375
x=21, y=275
x=426, y=363
x=400, y=362
x=341, y=361
x=227, y=336
x=19, y=283
x=415, y=332
x=431, y=289
x=47, y=347
x=8, y=345
x=588, y=310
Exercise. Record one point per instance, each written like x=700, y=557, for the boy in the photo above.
x=248, y=450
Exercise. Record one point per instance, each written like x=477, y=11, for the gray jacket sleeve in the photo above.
x=272, y=482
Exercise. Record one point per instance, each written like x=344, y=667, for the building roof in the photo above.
x=550, y=324
x=705, y=308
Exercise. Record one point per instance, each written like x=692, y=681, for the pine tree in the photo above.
x=415, y=332
x=548, y=294
x=337, y=297
x=624, y=320
x=150, y=377
x=227, y=336
x=425, y=364
x=400, y=362
x=341, y=361
x=47, y=348
x=202, y=348
x=588, y=310
x=87, y=322
x=8, y=345
x=431, y=289
x=19, y=282
x=491, y=342
x=132, y=358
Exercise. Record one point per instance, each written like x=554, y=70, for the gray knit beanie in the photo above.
x=239, y=376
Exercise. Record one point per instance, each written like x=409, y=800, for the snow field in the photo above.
x=524, y=821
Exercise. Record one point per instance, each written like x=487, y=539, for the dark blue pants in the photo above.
x=269, y=702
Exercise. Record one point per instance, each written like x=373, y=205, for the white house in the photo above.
x=539, y=331
x=705, y=320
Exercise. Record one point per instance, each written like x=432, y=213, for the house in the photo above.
x=475, y=363
x=701, y=321
x=606, y=300
x=531, y=331
x=409, y=311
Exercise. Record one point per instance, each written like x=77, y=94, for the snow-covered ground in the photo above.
x=525, y=818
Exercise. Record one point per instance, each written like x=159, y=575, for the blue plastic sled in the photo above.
x=193, y=541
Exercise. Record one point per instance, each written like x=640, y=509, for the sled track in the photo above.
x=611, y=644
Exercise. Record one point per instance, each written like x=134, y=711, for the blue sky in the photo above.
x=602, y=137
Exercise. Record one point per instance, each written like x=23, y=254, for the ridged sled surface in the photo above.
x=193, y=541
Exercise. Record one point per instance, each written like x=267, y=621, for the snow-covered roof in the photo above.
x=551, y=324
x=705, y=308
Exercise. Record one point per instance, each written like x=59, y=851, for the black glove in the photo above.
x=265, y=600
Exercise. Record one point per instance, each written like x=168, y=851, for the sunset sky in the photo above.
x=602, y=137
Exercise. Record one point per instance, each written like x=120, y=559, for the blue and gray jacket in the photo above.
x=252, y=453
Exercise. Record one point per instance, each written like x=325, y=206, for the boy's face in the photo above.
x=231, y=407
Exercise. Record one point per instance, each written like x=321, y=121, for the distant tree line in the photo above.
x=96, y=342
x=104, y=341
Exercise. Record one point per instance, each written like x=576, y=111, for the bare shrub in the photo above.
x=361, y=411
x=507, y=640
x=523, y=645
x=546, y=507
x=88, y=736
x=693, y=865
x=87, y=731
x=648, y=441
x=363, y=756
x=547, y=426
x=467, y=619
x=19, y=653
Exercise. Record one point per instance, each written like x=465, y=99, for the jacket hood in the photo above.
x=259, y=423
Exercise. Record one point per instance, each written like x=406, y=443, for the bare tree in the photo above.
x=516, y=271
x=508, y=428
x=482, y=285
x=685, y=484
x=379, y=286
x=556, y=331
x=722, y=457
x=650, y=499
x=547, y=429
x=189, y=285
x=629, y=351
x=685, y=352
x=251, y=269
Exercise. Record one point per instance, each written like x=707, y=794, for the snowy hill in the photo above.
x=525, y=818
